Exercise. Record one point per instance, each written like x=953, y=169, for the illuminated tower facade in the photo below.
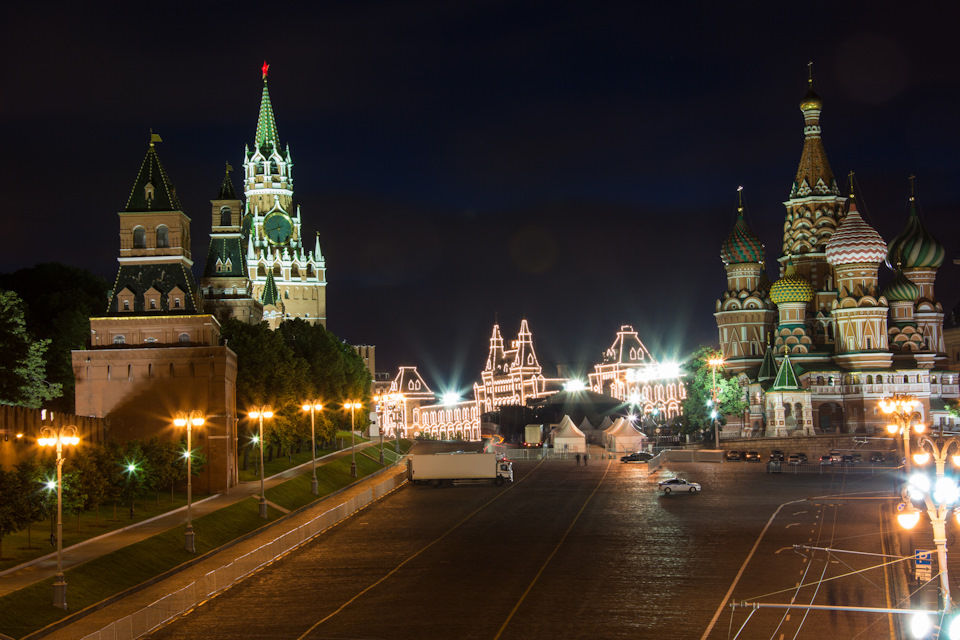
x=272, y=232
x=745, y=314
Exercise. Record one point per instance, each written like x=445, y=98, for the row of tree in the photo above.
x=698, y=408
x=287, y=367
x=93, y=476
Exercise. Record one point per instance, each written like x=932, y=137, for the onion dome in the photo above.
x=742, y=244
x=914, y=246
x=855, y=241
x=901, y=289
x=792, y=287
x=811, y=101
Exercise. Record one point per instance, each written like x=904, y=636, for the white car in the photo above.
x=678, y=484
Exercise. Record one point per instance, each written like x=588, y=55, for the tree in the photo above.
x=58, y=302
x=91, y=465
x=132, y=474
x=13, y=516
x=22, y=379
x=699, y=382
x=35, y=493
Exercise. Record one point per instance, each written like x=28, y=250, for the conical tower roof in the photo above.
x=814, y=175
x=227, y=191
x=267, y=135
x=768, y=368
x=786, y=377
x=270, y=293
x=152, y=190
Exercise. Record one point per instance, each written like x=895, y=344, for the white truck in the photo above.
x=532, y=436
x=446, y=469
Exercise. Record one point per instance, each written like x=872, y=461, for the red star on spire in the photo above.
x=264, y=69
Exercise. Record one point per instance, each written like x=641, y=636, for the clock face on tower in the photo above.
x=278, y=228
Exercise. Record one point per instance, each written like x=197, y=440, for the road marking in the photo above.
x=421, y=550
x=552, y=553
x=743, y=567
x=792, y=524
x=796, y=513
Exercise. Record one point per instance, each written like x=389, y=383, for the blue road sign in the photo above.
x=922, y=557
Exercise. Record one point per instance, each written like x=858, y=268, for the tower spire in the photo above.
x=266, y=125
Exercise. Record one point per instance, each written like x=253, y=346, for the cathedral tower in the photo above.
x=745, y=315
x=272, y=232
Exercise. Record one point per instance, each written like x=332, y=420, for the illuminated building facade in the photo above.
x=846, y=341
x=263, y=254
x=629, y=373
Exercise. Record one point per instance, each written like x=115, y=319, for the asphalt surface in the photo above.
x=577, y=552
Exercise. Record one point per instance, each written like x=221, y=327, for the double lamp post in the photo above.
x=49, y=437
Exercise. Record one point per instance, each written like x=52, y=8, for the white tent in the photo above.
x=624, y=436
x=585, y=425
x=606, y=424
x=567, y=438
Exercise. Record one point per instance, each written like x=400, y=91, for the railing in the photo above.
x=170, y=606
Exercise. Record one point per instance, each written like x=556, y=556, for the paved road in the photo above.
x=570, y=552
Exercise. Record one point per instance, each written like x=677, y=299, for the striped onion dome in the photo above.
x=792, y=287
x=742, y=244
x=914, y=247
x=901, y=289
x=855, y=241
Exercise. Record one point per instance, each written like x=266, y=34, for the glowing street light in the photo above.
x=939, y=498
x=58, y=437
x=189, y=420
x=451, y=398
x=313, y=406
x=259, y=413
x=902, y=409
x=349, y=404
x=714, y=363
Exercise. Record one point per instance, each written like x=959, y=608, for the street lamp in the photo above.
x=349, y=404
x=380, y=400
x=261, y=412
x=189, y=420
x=714, y=363
x=902, y=409
x=938, y=499
x=59, y=436
x=313, y=406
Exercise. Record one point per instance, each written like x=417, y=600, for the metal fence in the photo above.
x=170, y=606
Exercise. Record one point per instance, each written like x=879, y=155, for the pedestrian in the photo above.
x=585, y=456
x=578, y=459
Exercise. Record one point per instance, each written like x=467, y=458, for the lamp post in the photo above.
x=938, y=499
x=189, y=420
x=714, y=363
x=902, y=409
x=380, y=399
x=349, y=404
x=313, y=406
x=396, y=426
x=50, y=436
x=261, y=412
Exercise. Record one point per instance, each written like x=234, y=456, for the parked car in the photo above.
x=752, y=456
x=826, y=459
x=877, y=457
x=803, y=457
x=732, y=455
x=678, y=484
x=639, y=456
x=835, y=456
x=793, y=458
x=776, y=454
x=857, y=457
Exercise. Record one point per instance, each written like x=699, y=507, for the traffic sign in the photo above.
x=922, y=558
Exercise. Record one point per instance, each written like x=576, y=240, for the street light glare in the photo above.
x=921, y=458
x=946, y=491
x=920, y=625
x=574, y=385
x=51, y=484
x=909, y=519
x=451, y=397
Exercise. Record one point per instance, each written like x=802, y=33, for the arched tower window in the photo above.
x=139, y=238
x=225, y=217
x=163, y=237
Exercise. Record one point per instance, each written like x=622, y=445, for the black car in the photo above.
x=732, y=455
x=877, y=457
x=803, y=457
x=776, y=454
x=752, y=456
x=639, y=456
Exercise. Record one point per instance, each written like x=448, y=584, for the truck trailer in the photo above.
x=532, y=434
x=446, y=469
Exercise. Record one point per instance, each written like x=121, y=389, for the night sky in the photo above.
x=471, y=161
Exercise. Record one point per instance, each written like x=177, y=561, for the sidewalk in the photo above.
x=46, y=566
x=137, y=601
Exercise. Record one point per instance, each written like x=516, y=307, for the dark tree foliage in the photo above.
x=699, y=383
x=59, y=301
x=22, y=359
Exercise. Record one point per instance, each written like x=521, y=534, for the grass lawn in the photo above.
x=332, y=476
x=28, y=609
x=26, y=545
x=283, y=462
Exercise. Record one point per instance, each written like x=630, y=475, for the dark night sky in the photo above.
x=461, y=160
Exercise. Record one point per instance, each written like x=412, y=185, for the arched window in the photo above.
x=184, y=339
x=225, y=217
x=119, y=339
x=139, y=238
x=126, y=305
x=163, y=237
x=277, y=273
x=130, y=372
x=261, y=271
x=879, y=379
